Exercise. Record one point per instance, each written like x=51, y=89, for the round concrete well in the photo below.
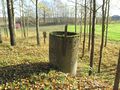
x=63, y=51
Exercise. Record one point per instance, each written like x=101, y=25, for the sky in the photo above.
x=114, y=5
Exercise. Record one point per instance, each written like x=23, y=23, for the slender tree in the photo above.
x=84, y=39
x=105, y=11
x=93, y=37
x=4, y=18
x=44, y=15
x=20, y=17
x=28, y=20
x=10, y=20
x=102, y=39
x=75, y=15
x=81, y=20
x=23, y=19
x=13, y=15
x=107, y=22
x=0, y=36
x=37, y=24
x=27, y=14
x=89, y=40
x=117, y=77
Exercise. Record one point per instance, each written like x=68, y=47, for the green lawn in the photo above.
x=113, y=32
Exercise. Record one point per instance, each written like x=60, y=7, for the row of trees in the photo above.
x=55, y=11
x=93, y=9
x=91, y=41
x=11, y=20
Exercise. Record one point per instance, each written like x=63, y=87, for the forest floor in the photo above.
x=26, y=66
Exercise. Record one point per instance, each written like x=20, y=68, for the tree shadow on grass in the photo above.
x=108, y=69
x=20, y=71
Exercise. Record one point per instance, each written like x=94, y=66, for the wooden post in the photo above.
x=66, y=26
x=65, y=40
x=44, y=36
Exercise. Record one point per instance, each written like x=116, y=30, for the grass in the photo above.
x=26, y=66
x=113, y=31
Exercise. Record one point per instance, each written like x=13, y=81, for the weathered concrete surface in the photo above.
x=63, y=53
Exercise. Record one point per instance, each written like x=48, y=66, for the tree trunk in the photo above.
x=0, y=36
x=117, y=77
x=20, y=6
x=13, y=15
x=24, y=30
x=4, y=18
x=81, y=27
x=10, y=20
x=75, y=15
x=93, y=37
x=84, y=31
x=28, y=23
x=23, y=20
x=44, y=16
x=89, y=40
x=37, y=24
x=14, y=22
x=102, y=39
x=108, y=9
